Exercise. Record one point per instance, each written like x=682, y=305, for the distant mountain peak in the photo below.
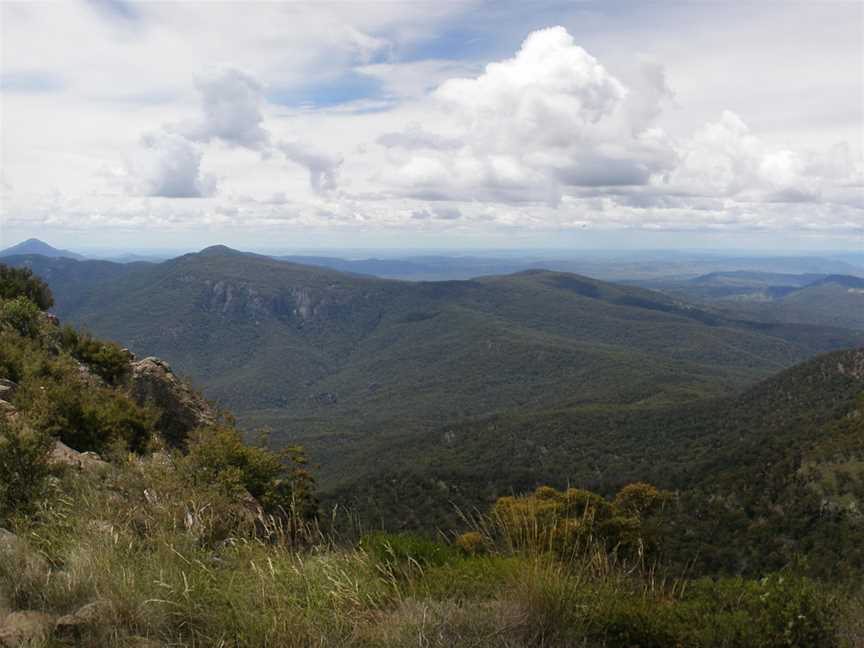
x=220, y=250
x=35, y=246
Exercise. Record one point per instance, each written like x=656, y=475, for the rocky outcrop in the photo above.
x=852, y=365
x=7, y=391
x=152, y=382
x=63, y=455
x=25, y=628
x=76, y=626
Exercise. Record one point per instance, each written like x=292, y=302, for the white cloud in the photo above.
x=438, y=212
x=532, y=125
x=550, y=137
x=231, y=102
x=650, y=93
x=546, y=95
x=365, y=46
x=167, y=165
x=323, y=167
x=414, y=137
x=725, y=159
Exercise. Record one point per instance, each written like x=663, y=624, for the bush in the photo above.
x=22, y=315
x=86, y=417
x=20, y=282
x=107, y=359
x=218, y=455
x=20, y=356
x=780, y=610
x=471, y=543
x=566, y=522
x=23, y=468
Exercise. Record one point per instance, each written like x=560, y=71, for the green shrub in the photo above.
x=219, y=455
x=107, y=359
x=22, y=315
x=20, y=282
x=86, y=417
x=18, y=356
x=24, y=468
x=778, y=611
x=566, y=522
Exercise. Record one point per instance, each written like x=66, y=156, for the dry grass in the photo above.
x=189, y=568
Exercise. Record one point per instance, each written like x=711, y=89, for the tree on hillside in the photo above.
x=20, y=282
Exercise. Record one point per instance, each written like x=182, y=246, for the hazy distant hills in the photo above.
x=614, y=266
x=348, y=363
x=35, y=246
x=820, y=299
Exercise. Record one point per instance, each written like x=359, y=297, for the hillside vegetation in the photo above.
x=350, y=366
x=184, y=536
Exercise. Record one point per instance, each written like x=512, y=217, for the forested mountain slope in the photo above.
x=319, y=355
x=774, y=473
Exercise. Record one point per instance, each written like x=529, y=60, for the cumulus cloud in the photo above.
x=649, y=92
x=547, y=138
x=231, y=102
x=231, y=112
x=531, y=126
x=724, y=158
x=323, y=168
x=547, y=94
x=552, y=125
x=167, y=165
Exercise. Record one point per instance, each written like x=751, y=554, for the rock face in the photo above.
x=63, y=455
x=152, y=382
x=7, y=391
x=25, y=628
x=853, y=366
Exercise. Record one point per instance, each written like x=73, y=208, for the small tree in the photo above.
x=279, y=481
x=20, y=282
x=22, y=315
x=23, y=467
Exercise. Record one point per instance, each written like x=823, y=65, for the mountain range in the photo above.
x=351, y=365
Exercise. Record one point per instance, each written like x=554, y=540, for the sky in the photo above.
x=445, y=124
